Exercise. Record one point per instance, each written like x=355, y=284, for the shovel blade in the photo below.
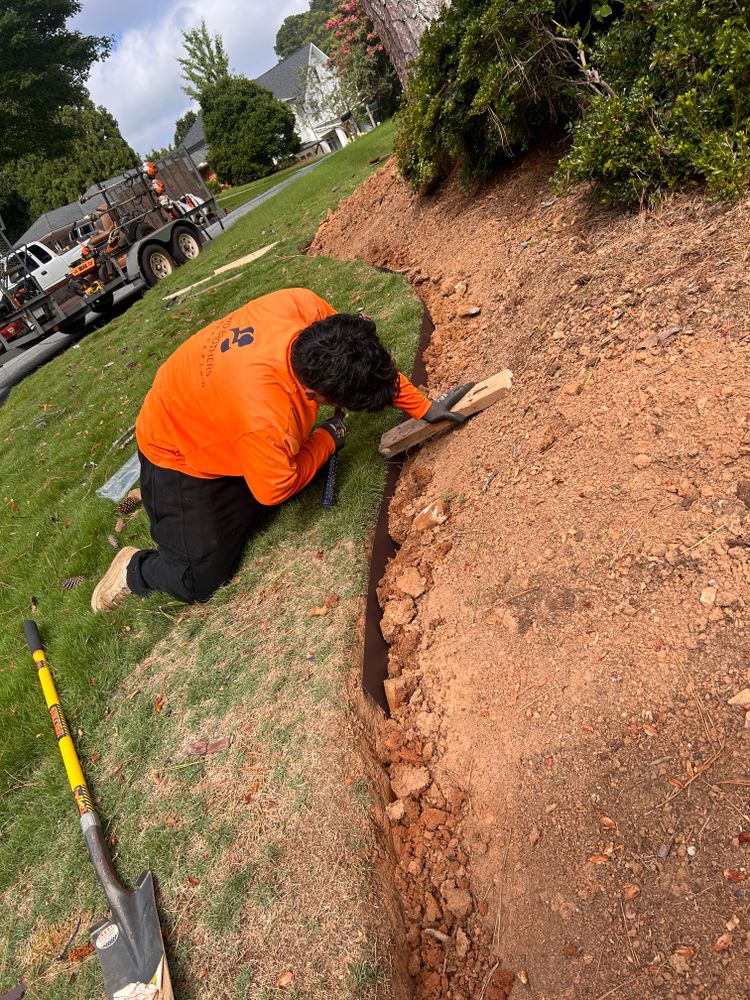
x=130, y=948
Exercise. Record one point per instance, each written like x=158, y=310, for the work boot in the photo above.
x=113, y=587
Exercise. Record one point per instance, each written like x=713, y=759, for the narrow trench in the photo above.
x=444, y=945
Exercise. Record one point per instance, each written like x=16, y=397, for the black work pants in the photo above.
x=200, y=527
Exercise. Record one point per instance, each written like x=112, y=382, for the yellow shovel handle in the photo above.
x=59, y=723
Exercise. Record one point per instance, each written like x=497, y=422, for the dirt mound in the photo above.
x=567, y=635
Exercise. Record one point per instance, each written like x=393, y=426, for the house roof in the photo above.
x=195, y=136
x=286, y=80
x=61, y=219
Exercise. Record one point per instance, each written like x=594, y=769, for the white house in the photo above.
x=309, y=85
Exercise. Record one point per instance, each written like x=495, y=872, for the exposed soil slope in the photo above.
x=569, y=638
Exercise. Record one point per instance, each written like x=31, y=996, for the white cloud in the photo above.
x=140, y=82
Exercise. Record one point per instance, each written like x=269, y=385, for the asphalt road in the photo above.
x=32, y=358
x=15, y=370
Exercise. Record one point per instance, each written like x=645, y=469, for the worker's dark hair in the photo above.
x=341, y=358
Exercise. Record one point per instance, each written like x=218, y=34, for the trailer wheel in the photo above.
x=185, y=245
x=156, y=263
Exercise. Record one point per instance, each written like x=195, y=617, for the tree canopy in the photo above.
x=183, y=125
x=43, y=69
x=34, y=184
x=248, y=131
x=205, y=62
x=309, y=26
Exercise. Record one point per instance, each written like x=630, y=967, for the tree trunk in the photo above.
x=400, y=24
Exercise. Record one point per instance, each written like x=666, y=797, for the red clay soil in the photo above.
x=570, y=622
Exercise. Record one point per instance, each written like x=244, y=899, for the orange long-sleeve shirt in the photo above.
x=227, y=403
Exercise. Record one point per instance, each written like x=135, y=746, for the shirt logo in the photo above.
x=242, y=338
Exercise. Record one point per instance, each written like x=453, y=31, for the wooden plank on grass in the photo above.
x=231, y=266
x=414, y=432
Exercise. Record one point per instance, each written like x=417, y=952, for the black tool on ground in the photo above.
x=128, y=944
x=329, y=489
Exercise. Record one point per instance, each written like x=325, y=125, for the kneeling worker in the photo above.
x=227, y=429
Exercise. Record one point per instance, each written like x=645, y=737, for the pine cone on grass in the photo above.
x=131, y=503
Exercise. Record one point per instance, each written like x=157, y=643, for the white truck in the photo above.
x=50, y=269
x=134, y=238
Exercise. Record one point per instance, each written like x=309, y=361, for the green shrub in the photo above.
x=489, y=78
x=680, y=72
x=656, y=93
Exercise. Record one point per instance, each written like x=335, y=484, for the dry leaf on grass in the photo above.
x=81, y=953
x=330, y=602
x=285, y=979
x=205, y=748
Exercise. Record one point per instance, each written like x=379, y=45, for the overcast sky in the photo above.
x=140, y=83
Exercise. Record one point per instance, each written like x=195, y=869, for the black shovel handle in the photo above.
x=35, y=642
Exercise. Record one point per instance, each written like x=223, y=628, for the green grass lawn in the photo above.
x=252, y=663
x=239, y=195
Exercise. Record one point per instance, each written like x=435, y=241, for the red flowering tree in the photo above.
x=365, y=71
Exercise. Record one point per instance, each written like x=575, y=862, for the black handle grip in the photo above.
x=32, y=636
x=329, y=496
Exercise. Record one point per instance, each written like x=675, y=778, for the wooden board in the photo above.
x=414, y=432
x=231, y=266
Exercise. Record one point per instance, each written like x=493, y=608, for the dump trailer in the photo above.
x=142, y=226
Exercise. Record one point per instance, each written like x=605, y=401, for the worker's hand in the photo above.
x=441, y=407
x=336, y=427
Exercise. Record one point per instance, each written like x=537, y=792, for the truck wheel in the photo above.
x=185, y=245
x=156, y=263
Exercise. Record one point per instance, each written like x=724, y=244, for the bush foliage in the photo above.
x=248, y=131
x=489, y=78
x=680, y=109
x=655, y=95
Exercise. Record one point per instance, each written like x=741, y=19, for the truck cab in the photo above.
x=49, y=269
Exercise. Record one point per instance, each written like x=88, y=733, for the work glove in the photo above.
x=441, y=407
x=336, y=427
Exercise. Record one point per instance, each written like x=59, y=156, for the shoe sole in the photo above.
x=123, y=557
